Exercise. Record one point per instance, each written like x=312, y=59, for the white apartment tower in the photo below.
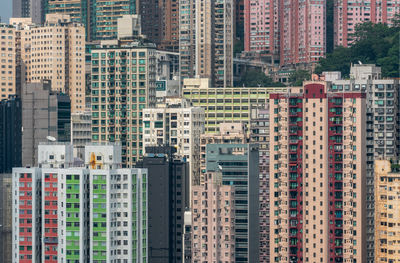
x=118, y=207
x=55, y=205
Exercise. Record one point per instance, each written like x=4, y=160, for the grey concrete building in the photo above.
x=239, y=166
x=44, y=113
x=29, y=8
x=10, y=134
x=81, y=132
x=259, y=134
x=168, y=195
x=5, y=218
x=383, y=127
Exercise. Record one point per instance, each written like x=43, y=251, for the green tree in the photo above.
x=296, y=78
x=255, y=78
x=373, y=44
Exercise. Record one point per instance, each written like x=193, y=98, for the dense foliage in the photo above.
x=375, y=44
x=257, y=78
x=297, y=77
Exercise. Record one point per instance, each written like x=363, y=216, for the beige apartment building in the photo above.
x=214, y=30
x=54, y=51
x=387, y=212
x=8, y=78
x=317, y=175
x=213, y=221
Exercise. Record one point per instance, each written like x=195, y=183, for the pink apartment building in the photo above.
x=213, y=233
x=261, y=32
x=302, y=31
x=294, y=29
x=349, y=13
x=317, y=175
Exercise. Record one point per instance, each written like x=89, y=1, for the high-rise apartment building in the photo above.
x=44, y=113
x=213, y=223
x=9, y=83
x=123, y=84
x=56, y=204
x=81, y=131
x=99, y=17
x=228, y=133
x=261, y=27
x=295, y=30
x=177, y=124
x=302, y=31
x=214, y=41
x=57, y=52
x=78, y=10
x=238, y=164
x=104, y=17
x=160, y=23
x=53, y=51
x=387, y=211
x=348, y=14
x=10, y=134
x=168, y=199
x=225, y=105
x=259, y=134
x=26, y=214
x=382, y=127
x=6, y=218
x=169, y=25
x=187, y=36
x=118, y=207
x=35, y=9
x=317, y=175
x=187, y=236
x=64, y=199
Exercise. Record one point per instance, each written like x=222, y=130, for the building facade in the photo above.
x=238, y=164
x=317, y=175
x=228, y=133
x=27, y=232
x=10, y=134
x=122, y=85
x=293, y=30
x=177, y=124
x=118, y=207
x=382, y=119
x=35, y=9
x=387, y=215
x=213, y=223
x=348, y=14
x=81, y=131
x=225, y=105
x=302, y=31
x=6, y=217
x=261, y=27
x=168, y=199
x=52, y=51
x=44, y=113
x=9, y=82
x=214, y=33
x=57, y=203
x=259, y=134
x=187, y=34
x=62, y=227
x=66, y=66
